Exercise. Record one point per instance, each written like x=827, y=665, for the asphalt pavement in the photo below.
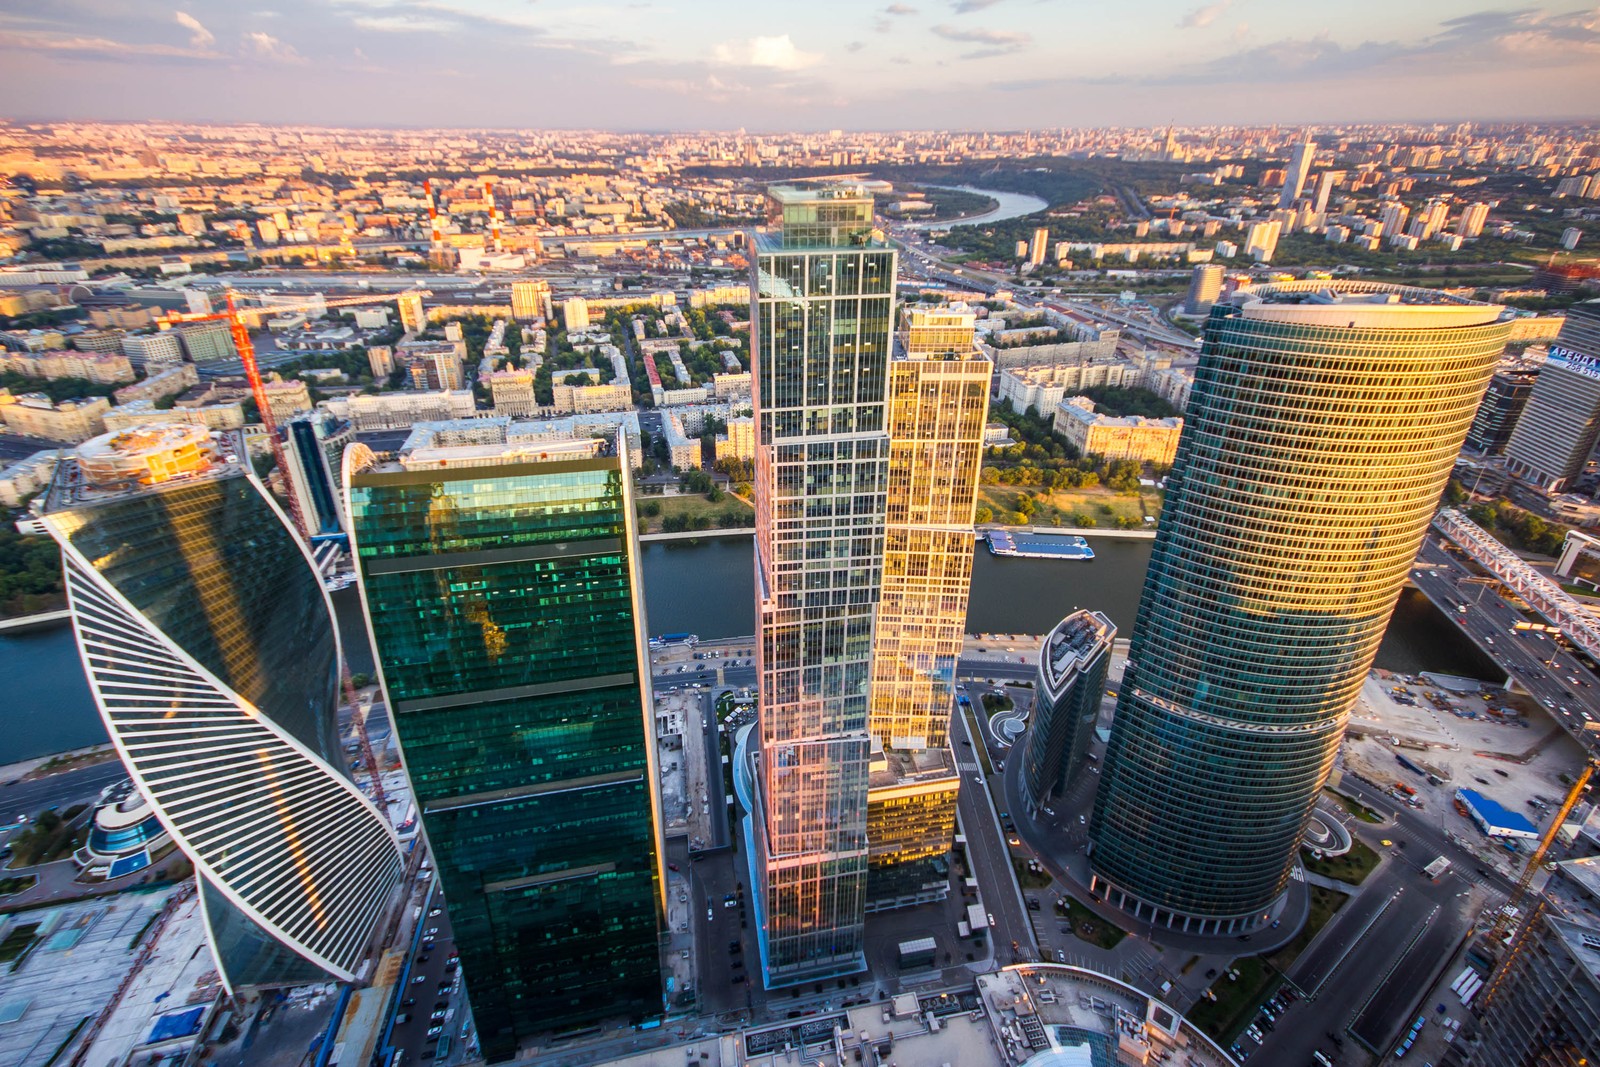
x=433, y=985
x=63, y=789
x=1538, y=662
x=1011, y=934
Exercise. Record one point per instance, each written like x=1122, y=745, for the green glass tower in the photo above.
x=502, y=596
x=1323, y=424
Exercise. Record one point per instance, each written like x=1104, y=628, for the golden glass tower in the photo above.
x=938, y=403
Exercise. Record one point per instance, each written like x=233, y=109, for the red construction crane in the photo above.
x=234, y=317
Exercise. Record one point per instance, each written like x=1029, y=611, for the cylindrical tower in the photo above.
x=1323, y=424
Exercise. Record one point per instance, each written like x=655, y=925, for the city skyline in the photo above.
x=647, y=66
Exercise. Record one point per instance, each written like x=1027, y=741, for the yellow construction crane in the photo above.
x=1502, y=922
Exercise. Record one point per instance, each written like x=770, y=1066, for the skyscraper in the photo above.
x=314, y=445
x=1500, y=411
x=824, y=309
x=502, y=594
x=938, y=404
x=1073, y=661
x=1473, y=217
x=1299, y=168
x=530, y=300
x=1561, y=423
x=1205, y=285
x=1323, y=423
x=412, y=318
x=212, y=653
x=1039, y=246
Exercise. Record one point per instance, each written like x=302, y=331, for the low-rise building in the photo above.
x=148, y=350
x=512, y=393
x=733, y=386
x=1129, y=437
x=71, y=421
x=584, y=399
x=286, y=397
x=221, y=416
x=23, y=478
x=395, y=411
x=170, y=382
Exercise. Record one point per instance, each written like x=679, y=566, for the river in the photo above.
x=1007, y=206
x=707, y=587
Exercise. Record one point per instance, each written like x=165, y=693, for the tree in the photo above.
x=983, y=515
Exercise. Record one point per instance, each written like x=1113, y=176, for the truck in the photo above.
x=1410, y=766
x=1436, y=869
x=1406, y=789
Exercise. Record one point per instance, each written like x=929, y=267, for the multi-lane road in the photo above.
x=1011, y=934
x=1540, y=664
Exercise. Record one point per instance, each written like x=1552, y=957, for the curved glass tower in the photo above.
x=1073, y=661
x=1323, y=424
x=211, y=651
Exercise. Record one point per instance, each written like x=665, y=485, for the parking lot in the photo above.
x=434, y=1024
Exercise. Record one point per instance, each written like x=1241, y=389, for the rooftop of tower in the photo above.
x=1072, y=644
x=139, y=460
x=1360, y=304
x=823, y=216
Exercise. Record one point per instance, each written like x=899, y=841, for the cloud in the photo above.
x=1202, y=17
x=996, y=42
x=772, y=53
x=73, y=46
x=199, y=36
x=899, y=9
x=266, y=46
x=967, y=7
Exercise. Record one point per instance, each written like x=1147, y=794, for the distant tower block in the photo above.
x=412, y=319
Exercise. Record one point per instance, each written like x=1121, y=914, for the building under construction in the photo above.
x=1547, y=1009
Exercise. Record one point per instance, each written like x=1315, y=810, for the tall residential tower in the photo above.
x=1323, y=424
x=823, y=290
x=212, y=653
x=502, y=594
x=938, y=403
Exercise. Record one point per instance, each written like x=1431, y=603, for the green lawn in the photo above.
x=1356, y=808
x=1353, y=867
x=14, y=885
x=697, y=511
x=1325, y=903
x=17, y=942
x=1087, y=926
x=1236, y=1001
x=1029, y=879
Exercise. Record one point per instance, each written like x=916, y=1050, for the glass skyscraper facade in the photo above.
x=1323, y=424
x=501, y=590
x=212, y=654
x=1073, y=661
x=938, y=403
x=823, y=294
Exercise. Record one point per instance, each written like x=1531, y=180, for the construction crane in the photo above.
x=1502, y=921
x=234, y=317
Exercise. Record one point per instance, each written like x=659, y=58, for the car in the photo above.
x=402, y=1019
x=437, y=1016
x=1212, y=973
x=435, y=911
x=990, y=917
x=435, y=1031
x=419, y=979
x=1276, y=923
x=1244, y=937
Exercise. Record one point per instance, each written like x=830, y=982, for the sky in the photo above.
x=793, y=65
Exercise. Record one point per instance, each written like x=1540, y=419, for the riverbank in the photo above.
x=44, y=766
x=1078, y=531
x=44, y=620
x=691, y=535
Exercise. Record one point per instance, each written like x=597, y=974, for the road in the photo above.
x=990, y=855
x=59, y=790
x=13, y=447
x=1541, y=664
x=433, y=984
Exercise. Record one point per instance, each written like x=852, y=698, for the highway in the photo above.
x=58, y=790
x=1540, y=663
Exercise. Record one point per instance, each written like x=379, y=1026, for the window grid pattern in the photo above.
x=823, y=318
x=508, y=632
x=1311, y=461
x=210, y=649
